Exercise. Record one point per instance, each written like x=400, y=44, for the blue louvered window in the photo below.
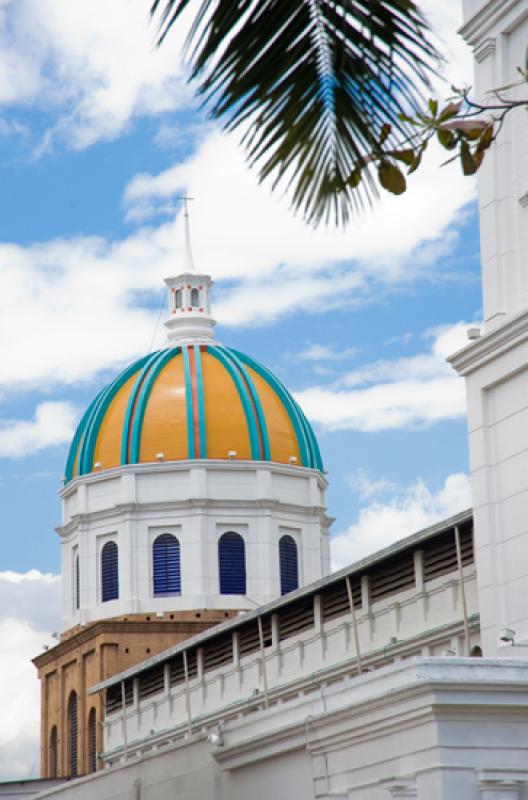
x=166, y=565
x=109, y=572
x=77, y=584
x=289, y=570
x=232, y=563
x=72, y=735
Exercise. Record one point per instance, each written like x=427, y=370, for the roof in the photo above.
x=361, y=566
x=192, y=401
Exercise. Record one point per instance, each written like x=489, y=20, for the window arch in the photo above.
x=166, y=577
x=72, y=735
x=178, y=298
x=109, y=572
x=77, y=583
x=289, y=569
x=53, y=752
x=232, y=563
x=92, y=740
x=195, y=298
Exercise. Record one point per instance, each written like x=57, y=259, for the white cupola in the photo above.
x=189, y=317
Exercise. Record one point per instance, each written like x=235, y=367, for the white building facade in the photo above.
x=495, y=366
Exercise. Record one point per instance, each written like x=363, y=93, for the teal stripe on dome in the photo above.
x=312, y=437
x=303, y=439
x=146, y=363
x=201, y=402
x=243, y=393
x=77, y=439
x=144, y=393
x=104, y=400
x=188, y=402
x=266, y=455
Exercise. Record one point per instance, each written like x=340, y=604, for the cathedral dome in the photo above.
x=192, y=401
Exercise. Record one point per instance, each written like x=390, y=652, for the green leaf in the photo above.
x=451, y=110
x=407, y=156
x=446, y=138
x=355, y=177
x=486, y=139
x=433, y=106
x=308, y=85
x=391, y=178
x=469, y=166
x=418, y=158
x=385, y=131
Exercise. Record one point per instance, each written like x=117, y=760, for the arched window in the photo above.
x=77, y=583
x=53, y=752
x=109, y=572
x=232, y=563
x=178, y=298
x=72, y=735
x=289, y=570
x=92, y=740
x=166, y=565
x=195, y=298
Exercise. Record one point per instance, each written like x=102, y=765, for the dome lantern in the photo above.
x=189, y=317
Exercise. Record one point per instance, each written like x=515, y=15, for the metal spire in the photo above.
x=188, y=262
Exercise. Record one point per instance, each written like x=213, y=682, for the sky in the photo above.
x=100, y=134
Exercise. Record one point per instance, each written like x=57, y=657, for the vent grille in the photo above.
x=334, y=600
x=248, y=636
x=218, y=652
x=296, y=618
x=440, y=555
x=176, y=670
x=397, y=575
x=113, y=696
x=151, y=681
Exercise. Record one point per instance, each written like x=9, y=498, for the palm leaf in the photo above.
x=311, y=84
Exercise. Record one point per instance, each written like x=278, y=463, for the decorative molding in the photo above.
x=501, y=784
x=485, y=49
x=399, y=788
x=491, y=345
x=485, y=19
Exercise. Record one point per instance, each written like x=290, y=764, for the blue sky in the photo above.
x=99, y=135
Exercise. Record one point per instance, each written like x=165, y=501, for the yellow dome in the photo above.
x=200, y=401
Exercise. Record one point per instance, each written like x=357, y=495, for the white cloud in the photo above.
x=30, y=612
x=366, y=487
x=405, y=393
x=323, y=352
x=53, y=424
x=96, y=63
x=412, y=508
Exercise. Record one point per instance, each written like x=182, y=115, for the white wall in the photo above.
x=496, y=365
x=197, y=502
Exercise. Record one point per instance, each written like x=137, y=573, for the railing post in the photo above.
x=354, y=624
x=263, y=661
x=187, y=693
x=462, y=590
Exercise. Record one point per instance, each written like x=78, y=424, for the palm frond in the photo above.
x=311, y=83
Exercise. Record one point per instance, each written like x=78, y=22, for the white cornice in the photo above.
x=486, y=18
x=192, y=504
x=488, y=347
x=157, y=468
